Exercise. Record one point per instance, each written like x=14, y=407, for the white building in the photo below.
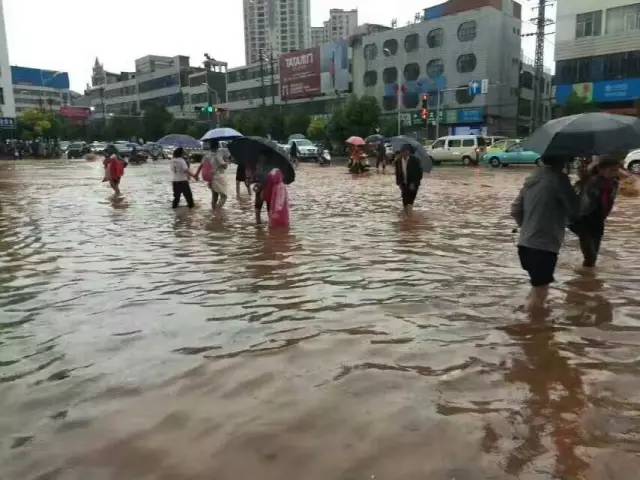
x=598, y=52
x=279, y=26
x=341, y=24
x=7, y=103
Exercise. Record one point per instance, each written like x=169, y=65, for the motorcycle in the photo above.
x=325, y=159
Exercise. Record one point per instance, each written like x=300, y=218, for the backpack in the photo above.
x=207, y=170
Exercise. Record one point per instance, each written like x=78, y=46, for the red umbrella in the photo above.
x=356, y=141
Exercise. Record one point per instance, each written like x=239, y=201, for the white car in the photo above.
x=632, y=162
x=306, y=149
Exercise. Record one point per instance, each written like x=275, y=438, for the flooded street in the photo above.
x=138, y=342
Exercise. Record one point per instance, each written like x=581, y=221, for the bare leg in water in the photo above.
x=537, y=298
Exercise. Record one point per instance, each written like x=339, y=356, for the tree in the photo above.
x=296, y=123
x=34, y=123
x=317, y=129
x=359, y=116
x=157, y=121
x=577, y=104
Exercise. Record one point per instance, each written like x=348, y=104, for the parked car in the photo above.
x=464, y=149
x=64, y=146
x=491, y=141
x=502, y=145
x=97, y=147
x=514, y=155
x=154, y=150
x=632, y=162
x=306, y=149
x=77, y=150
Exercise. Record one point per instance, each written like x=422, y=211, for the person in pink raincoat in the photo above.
x=277, y=198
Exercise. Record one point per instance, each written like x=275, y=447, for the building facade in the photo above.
x=441, y=56
x=7, y=104
x=341, y=24
x=598, y=53
x=277, y=26
x=38, y=89
x=526, y=98
x=166, y=81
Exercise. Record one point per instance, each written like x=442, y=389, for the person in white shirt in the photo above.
x=213, y=168
x=181, y=173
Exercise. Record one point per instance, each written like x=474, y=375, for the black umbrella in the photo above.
x=377, y=138
x=418, y=150
x=585, y=135
x=246, y=151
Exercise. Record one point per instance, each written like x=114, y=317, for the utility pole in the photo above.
x=541, y=22
x=273, y=81
x=262, y=92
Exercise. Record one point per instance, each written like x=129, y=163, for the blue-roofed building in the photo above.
x=39, y=89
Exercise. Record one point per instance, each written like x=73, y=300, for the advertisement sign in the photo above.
x=300, y=74
x=452, y=116
x=602, y=92
x=335, y=67
x=75, y=113
x=7, y=123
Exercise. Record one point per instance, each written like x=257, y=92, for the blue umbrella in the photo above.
x=221, y=134
x=177, y=140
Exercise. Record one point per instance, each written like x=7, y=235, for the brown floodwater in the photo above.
x=138, y=342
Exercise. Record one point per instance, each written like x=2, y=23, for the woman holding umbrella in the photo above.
x=213, y=168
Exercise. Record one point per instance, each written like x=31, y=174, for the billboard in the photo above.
x=335, y=67
x=77, y=114
x=300, y=74
x=40, y=78
x=601, y=92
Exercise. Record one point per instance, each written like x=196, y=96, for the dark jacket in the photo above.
x=414, y=172
x=545, y=206
x=597, y=197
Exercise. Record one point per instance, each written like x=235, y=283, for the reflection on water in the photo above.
x=141, y=342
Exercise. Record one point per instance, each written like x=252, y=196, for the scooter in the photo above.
x=325, y=159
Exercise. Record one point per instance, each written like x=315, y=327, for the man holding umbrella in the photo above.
x=408, y=177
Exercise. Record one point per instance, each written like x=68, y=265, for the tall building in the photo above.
x=37, y=89
x=453, y=47
x=158, y=80
x=341, y=24
x=598, y=53
x=279, y=26
x=7, y=104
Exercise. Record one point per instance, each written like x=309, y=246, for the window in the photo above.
x=435, y=38
x=390, y=75
x=462, y=95
x=438, y=144
x=412, y=42
x=411, y=72
x=1, y=96
x=623, y=19
x=390, y=47
x=524, y=107
x=370, y=51
x=469, y=142
x=526, y=80
x=370, y=78
x=467, y=63
x=390, y=103
x=467, y=31
x=589, y=24
x=455, y=143
x=435, y=68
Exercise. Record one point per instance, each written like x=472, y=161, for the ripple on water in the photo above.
x=357, y=345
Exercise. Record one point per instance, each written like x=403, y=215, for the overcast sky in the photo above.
x=67, y=35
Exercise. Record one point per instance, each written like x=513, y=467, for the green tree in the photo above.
x=34, y=123
x=157, y=121
x=359, y=116
x=317, y=129
x=577, y=104
x=296, y=123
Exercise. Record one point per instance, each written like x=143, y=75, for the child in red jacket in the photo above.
x=113, y=169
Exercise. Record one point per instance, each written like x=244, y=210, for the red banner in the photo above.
x=300, y=74
x=75, y=113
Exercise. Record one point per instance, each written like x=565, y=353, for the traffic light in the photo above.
x=425, y=101
x=210, y=109
x=424, y=114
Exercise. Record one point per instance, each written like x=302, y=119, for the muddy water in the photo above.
x=141, y=343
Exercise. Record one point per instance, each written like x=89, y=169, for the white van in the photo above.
x=459, y=149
